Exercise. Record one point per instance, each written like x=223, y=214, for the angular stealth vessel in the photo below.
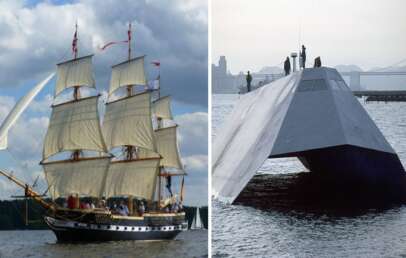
x=311, y=115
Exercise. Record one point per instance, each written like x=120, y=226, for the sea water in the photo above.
x=42, y=243
x=243, y=231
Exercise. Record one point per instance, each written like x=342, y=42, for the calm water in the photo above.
x=241, y=231
x=42, y=243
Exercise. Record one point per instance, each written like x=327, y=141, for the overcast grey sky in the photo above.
x=257, y=33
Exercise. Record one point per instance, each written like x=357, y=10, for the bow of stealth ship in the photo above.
x=311, y=115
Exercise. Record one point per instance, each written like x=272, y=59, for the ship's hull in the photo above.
x=352, y=163
x=115, y=229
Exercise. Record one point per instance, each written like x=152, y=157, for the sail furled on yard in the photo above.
x=167, y=147
x=134, y=177
x=128, y=73
x=162, y=107
x=84, y=177
x=18, y=109
x=73, y=126
x=75, y=72
x=128, y=121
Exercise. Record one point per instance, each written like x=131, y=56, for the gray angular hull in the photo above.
x=352, y=163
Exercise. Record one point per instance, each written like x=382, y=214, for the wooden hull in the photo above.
x=117, y=228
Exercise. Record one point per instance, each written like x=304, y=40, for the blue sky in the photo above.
x=35, y=35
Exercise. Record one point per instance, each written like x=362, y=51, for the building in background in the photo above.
x=224, y=82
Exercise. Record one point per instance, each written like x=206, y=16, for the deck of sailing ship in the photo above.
x=129, y=155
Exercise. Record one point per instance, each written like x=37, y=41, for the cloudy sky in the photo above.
x=253, y=34
x=35, y=35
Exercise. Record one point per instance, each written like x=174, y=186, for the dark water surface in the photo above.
x=42, y=243
x=282, y=228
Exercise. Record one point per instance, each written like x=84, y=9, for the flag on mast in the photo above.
x=129, y=32
x=156, y=63
x=155, y=84
x=75, y=41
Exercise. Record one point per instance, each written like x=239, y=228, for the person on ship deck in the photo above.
x=286, y=66
x=123, y=209
x=141, y=209
x=71, y=202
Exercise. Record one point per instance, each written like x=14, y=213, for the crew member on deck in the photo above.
x=317, y=62
x=123, y=209
x=71, y=202
x=286, y=66
x=141, y=208
x=249, y=80
x=303, y=56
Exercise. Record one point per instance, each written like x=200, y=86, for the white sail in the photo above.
x=18, y=110
x=128, y=122
x=74, y=125
x=162, y=107
x=197, y=222
x=135, y=177
x=144, y=153
x=76, y=72
x=128, y=73
x=83, y=177
x=167, y=147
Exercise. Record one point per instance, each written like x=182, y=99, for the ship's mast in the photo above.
x=76, y=92
x=159, y=120
x=129, y=87
x=129, y=149
x=76, y=89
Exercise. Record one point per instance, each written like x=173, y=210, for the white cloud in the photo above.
x=6, y=103
x=43, y=105
x=33, y=39
x=196, y=163
x=193, y=130
x=26, y=137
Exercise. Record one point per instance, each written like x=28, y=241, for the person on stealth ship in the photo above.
x=317, y=62
x=303, y=56
x=249, y=80
x=286, y=66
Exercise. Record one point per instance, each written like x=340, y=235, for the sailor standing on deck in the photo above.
x=303, y=56
x=317, y=62
x=249, y=80
x=286, y=66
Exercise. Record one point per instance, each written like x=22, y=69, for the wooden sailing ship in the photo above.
x=130, y=155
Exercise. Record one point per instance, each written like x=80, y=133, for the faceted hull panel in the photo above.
x=352, y=163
